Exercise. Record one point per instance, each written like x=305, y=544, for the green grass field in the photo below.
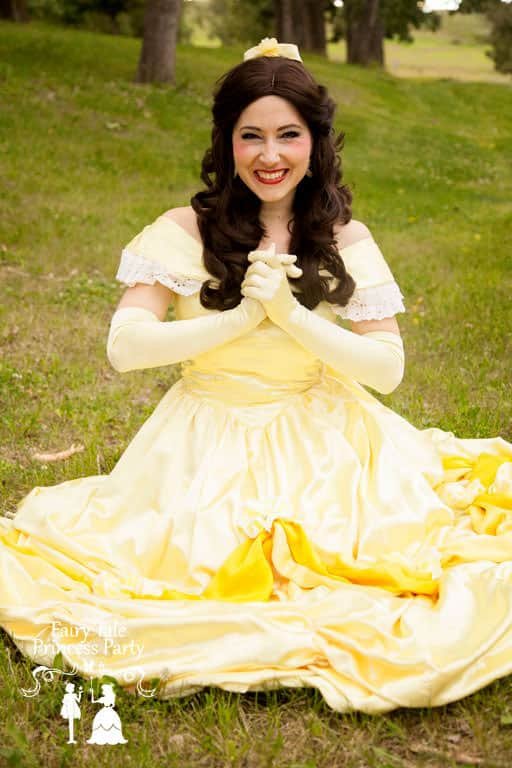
x=87, y=158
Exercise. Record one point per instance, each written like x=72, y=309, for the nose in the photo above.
x=269, y=155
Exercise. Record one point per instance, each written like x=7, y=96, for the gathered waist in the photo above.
x=244, y=387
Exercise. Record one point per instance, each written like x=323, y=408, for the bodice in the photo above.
x=263, y=365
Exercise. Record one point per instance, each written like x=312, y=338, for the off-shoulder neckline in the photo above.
x=183, y=230
x=357, y=242
x=200, y=245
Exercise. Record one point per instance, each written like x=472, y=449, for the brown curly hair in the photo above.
x=228, y=211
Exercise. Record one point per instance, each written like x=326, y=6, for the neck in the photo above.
x=279, y=212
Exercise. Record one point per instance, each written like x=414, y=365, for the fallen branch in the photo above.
x=59, y=455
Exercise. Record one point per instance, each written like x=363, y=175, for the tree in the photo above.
x=240, y=21
x=366, y=23
x=364, y=32
x=500, y=16
x=14, y=10
x=157, y=62
x=501, y=37
x=247, y=21
x=302, y=22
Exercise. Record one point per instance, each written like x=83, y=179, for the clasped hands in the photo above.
x=266, y=279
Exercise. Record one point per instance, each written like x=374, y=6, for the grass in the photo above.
x=88, y=158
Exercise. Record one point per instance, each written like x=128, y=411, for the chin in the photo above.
x=272, y=194
x=273, y=197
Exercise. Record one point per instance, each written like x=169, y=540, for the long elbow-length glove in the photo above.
x=375, y=359
x=138, y=339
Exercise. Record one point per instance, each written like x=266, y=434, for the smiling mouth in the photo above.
x=271, y=177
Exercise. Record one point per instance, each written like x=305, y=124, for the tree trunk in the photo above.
x=15, y=10
x=314, y=27
x=301, y=22
x=365, y=32
x=157, y=63
x=285, y=28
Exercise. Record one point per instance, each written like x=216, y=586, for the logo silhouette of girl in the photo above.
x=106, y=726
x=70, y=708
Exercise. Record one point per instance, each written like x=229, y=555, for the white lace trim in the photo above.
x=138, y=269
x=372, y=303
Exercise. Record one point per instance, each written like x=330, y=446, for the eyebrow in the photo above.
x=255, y=127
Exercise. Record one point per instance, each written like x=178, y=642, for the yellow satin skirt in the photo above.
x=257, y=534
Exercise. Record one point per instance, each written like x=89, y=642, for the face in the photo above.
x=270, y=136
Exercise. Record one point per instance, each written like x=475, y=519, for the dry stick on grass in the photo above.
x=59, y=455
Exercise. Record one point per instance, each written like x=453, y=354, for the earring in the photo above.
x=309, y=172
x=235, y=174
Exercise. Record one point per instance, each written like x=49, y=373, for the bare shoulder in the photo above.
x=348, y=234
x=186, y=217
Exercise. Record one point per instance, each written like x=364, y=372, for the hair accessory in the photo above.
x=270, y=47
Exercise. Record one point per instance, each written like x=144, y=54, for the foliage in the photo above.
x=398, y=16
x=117, y=17
x=194, y=15
x=500, y=16
x=234, y=22
x=241, y=21
x=501, y=36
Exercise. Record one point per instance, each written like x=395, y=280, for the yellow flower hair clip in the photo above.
x=270, y=47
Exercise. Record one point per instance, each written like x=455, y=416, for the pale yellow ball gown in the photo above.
x=271, y=524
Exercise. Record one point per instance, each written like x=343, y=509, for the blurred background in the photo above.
x=465, y=37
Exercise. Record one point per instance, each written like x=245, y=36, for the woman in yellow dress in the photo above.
x=272, y=523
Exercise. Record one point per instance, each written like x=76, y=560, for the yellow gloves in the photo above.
x=375, y=359
x=138, y=339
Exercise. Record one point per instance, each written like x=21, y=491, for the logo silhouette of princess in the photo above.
x=106, y=726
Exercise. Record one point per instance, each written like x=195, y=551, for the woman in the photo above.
x=273, y=523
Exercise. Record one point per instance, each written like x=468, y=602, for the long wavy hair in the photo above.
x=228, y=211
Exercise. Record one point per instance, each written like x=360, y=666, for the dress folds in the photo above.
x=272, y=523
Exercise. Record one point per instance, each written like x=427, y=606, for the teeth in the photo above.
x=274, y=175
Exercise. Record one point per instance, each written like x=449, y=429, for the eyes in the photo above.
x=289, y=134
